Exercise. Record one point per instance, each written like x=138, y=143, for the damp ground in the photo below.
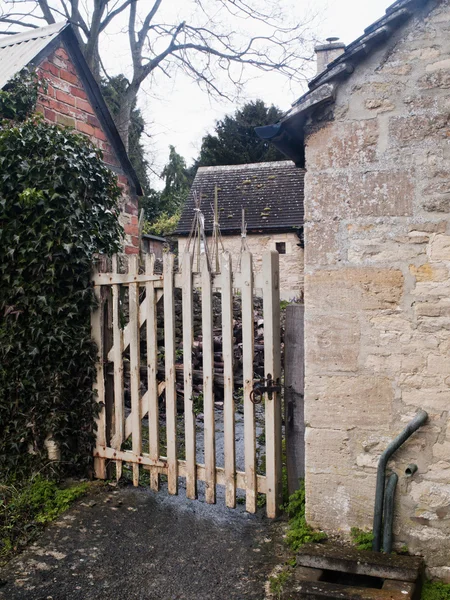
x=124, y=543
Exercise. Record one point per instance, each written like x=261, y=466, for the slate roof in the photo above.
x=31, y=47
x=272, y=194
x=287, y=134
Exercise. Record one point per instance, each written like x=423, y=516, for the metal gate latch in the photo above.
x=256, y=395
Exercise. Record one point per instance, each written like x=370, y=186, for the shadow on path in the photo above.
x=132, y=543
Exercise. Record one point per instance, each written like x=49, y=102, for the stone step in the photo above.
x=321, y=590
x=334, y=557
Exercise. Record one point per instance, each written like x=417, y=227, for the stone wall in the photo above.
x=66, y=103
x=377, y=288
x=291, y=263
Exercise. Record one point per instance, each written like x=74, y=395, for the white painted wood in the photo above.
x=144, y=409
x=152, y=407
x=119, y=406
x=133, y=458
x=247, y=357
x=127, y=329
x=221, y=478
x=99, y=385
x=208, y=385
x=228, y=400
x=161, y=466
x=156, y=287
x=189, y=416
x=124, y=278
x=135, y=367
x=171, y=395
x=272, y=365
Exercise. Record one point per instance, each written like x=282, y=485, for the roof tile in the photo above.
x=272, y=194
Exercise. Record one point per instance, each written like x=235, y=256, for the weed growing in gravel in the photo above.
x=278, y=582
x=362, y=539
x=299, y=532
x=26, y=508
x=435, y=590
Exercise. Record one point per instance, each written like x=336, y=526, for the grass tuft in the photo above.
x=362, y=539
x=299, y=532
x=27, y=507
x=435, y=590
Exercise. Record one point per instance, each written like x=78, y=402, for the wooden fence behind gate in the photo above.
x=125, y=327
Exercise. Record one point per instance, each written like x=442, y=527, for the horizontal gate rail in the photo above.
x=128, y=304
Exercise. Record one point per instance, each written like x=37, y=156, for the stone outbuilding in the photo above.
x=272, y=195
x=73, y=98
x=374, y=135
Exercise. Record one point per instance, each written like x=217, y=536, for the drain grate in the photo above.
x=352, y=579
x=331, y=571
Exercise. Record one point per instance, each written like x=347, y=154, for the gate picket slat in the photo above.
x=247, y=357
x=119, y=407
x=152, y=364
x=135, y=367
x=97, y=335
x=189, y=416
x=272, y=365
x=208, y=385
x=228, y=355
x=169, y=351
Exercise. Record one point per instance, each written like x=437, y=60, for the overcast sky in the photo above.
x=179, y=113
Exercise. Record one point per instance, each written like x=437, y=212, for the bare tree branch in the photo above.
x=213, y=42
x=17, y=22
x=46, y=11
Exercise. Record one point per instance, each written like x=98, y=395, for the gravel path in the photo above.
x=132, y=543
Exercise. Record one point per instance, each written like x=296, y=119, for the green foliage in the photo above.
x=19, y=96
x=435, y=590
x=362, y=539
x=164, y=224
x=278, y=582
x=58, y=208
x=299, y=532
x=261, y=500
x=177, y=183
x=164, y=212
x=235, y=141
x=113, y=90
x=25, y=509
x=197, y=403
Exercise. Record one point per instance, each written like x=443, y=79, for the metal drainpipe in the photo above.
x=389, y=512
x=417, y=422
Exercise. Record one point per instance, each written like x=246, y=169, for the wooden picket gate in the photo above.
x=145, y=289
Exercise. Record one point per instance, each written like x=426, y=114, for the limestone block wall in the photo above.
x=291, y=263
x=377, y=288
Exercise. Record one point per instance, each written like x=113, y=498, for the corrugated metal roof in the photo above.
x=17, y=51
x=271, y=193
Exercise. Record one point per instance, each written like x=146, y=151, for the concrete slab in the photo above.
x=319, y=590
x=335, y=557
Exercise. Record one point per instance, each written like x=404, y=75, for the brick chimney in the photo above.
x=326, y=53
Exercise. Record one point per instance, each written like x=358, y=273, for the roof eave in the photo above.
x=260, y=230
x=96, y=98
x=288, y=134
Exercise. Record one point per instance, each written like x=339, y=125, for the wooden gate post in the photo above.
x=272, y=366
x=294, y=378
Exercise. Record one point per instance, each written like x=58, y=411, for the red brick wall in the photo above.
x=66, y=103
